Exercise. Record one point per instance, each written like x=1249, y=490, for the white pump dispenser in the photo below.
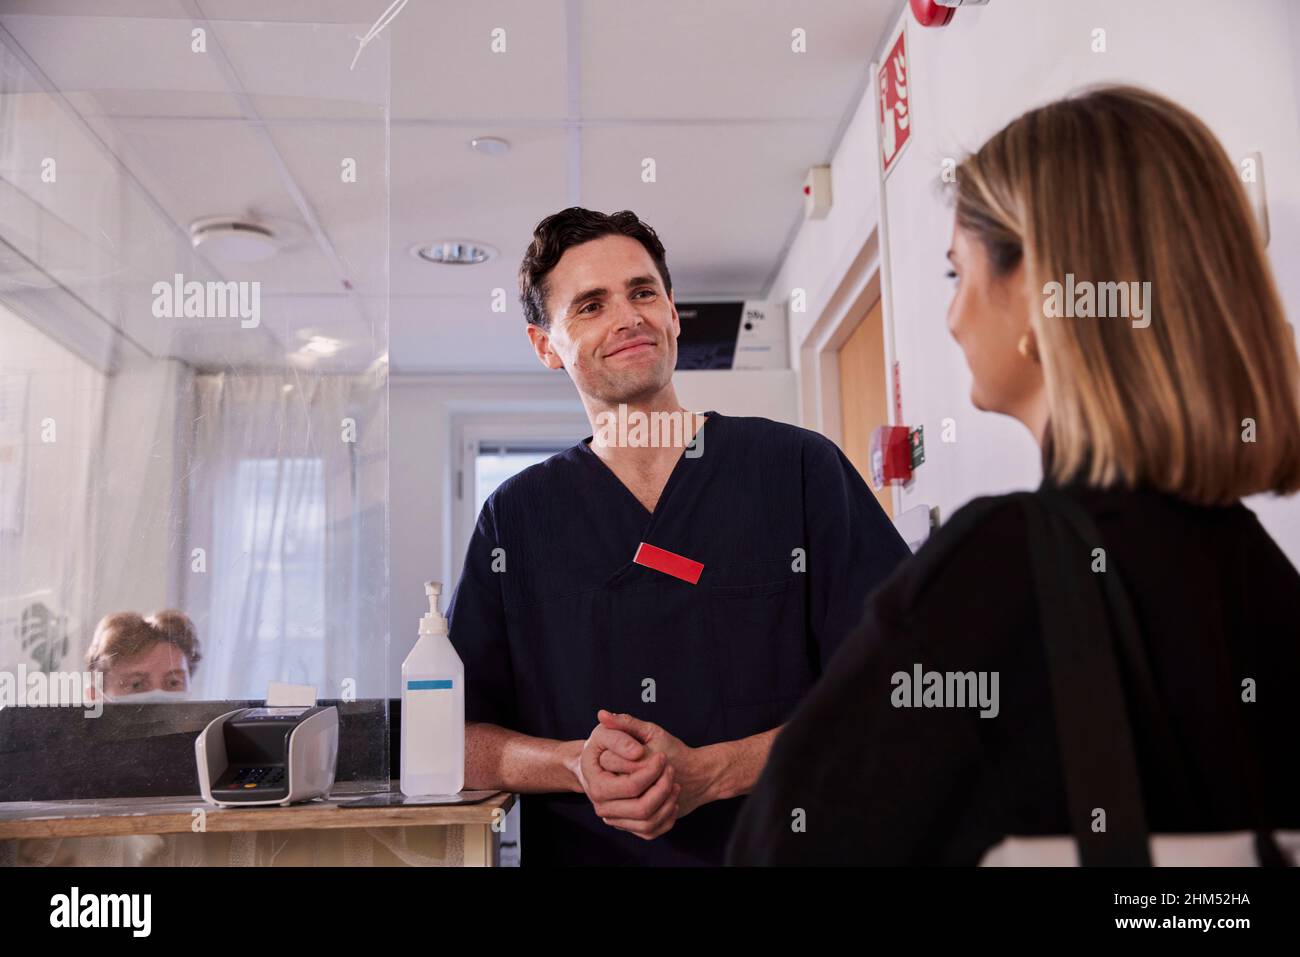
x=433, y=708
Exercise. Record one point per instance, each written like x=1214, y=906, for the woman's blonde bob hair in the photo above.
x=1120, y=185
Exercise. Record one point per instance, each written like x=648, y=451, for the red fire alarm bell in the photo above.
x=928, y=13
x=891, y=455
x=937, y=13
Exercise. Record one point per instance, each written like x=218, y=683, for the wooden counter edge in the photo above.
x=297, y=817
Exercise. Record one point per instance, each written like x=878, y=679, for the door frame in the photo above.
x=856, y=293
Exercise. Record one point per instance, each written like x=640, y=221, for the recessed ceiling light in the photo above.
x=454, y=252
x=489, y=145
x=234, y=240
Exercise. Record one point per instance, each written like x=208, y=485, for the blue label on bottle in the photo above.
x=441, y=684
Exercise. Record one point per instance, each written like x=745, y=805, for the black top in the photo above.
x=1216, y=603
x=554, y=621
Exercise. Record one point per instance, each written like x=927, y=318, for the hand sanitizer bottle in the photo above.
x=433, y=708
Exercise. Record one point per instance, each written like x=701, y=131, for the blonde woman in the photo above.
x=1160, y=670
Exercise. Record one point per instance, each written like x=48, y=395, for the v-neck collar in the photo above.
x=646, y=514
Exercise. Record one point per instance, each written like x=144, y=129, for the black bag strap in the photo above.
x=1098, y=760
x=1060, y=528
x=1124, y=634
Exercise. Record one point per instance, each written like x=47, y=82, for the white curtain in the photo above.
x=287, y=484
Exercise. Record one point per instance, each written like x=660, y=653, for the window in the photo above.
x=497, y=462
x=281, y=515
x=487, y=450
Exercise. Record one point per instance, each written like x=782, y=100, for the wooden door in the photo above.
x=864, y=395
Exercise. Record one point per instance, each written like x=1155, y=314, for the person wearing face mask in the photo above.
x=144, y=659
x=1139, y=414
x=638, y=614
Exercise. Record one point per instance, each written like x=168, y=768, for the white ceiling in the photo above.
x=150, y=136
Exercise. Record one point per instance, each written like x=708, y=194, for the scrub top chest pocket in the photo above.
x=761, y=632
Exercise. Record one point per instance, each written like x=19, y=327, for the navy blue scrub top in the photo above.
x=567, y=624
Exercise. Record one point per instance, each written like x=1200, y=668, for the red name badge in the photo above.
x=669, y=563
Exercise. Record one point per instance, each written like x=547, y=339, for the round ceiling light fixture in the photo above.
x=234, y=240
x=453, y=252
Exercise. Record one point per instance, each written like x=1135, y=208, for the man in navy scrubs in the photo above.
x=639, y=614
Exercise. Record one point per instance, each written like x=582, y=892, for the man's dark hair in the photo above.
x=572, y=227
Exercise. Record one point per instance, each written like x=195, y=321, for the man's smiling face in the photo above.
x=612, y=324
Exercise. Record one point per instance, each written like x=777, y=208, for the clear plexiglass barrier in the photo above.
x=193, y=390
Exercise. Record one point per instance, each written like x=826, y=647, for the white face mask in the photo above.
x=145, y=697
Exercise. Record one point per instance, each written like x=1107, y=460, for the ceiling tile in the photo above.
x=442, y=189
x=723, y=201
x=725, y=59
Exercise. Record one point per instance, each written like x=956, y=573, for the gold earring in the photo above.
x=1028, y=347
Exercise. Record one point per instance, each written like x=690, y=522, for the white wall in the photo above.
x=770, y=394
x=1234, y=65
